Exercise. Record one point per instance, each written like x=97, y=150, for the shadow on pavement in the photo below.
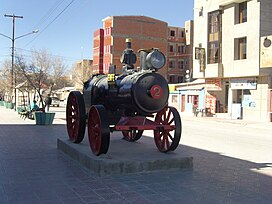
x=32, y=169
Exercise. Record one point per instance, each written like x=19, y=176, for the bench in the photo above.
x=25, y=112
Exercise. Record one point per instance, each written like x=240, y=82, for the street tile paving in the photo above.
x=32, y=170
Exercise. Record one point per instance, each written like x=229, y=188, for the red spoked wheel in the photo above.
x=132, y=135
x=168, y=140
x=75, y=117
x=98, y=130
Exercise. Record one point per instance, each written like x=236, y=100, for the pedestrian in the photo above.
x=48, y=101
x=34, y=106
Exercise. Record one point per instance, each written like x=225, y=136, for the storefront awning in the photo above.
x=208, y=87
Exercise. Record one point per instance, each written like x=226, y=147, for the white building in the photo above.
x=232, y=41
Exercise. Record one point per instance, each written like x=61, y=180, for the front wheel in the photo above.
x=98, y=130
x=75, y=117
x=168, y=140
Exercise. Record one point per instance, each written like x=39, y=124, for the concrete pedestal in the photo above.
x=125, y=157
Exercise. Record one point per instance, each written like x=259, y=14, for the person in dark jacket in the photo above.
x=48, y=101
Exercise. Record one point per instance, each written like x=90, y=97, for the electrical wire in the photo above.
x=33, y=51
x=49, y=24
x=48, y=14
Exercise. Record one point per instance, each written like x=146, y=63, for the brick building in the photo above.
x=179, y=53
x=145, y=32
x=98, y=51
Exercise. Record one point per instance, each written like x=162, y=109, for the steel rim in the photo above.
x=75, y=117
x=167, y=140
x=98, y=130
x=94, y=130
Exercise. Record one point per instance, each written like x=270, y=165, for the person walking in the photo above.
x=48, y=101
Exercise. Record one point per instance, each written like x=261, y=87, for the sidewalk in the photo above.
x=222, y=120
x=32, y=170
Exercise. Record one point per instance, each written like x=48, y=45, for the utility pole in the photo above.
x=12, y=52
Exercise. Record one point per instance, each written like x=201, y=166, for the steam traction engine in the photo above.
x=131, y=103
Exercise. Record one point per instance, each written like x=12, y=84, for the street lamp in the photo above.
x=13, y=38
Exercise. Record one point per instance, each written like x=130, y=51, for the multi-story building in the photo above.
x=233, y=50
x=82, y=71
x=145, y=32
x=179, y=55
x=98, y=51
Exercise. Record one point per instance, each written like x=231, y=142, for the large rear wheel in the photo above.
x=98, y=130
x=75, y=117
x=168, y=140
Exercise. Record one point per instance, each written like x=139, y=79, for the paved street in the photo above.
x=232, y=164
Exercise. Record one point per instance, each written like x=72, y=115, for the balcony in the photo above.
x=214, y=70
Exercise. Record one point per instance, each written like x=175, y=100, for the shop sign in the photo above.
x=243, y=83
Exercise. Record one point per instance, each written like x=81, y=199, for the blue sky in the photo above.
x=71, y=34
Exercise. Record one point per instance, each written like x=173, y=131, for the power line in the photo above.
x=49, y=23
x=49, y=13
x=33, y=51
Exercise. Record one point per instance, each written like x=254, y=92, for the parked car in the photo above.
x=55, y=101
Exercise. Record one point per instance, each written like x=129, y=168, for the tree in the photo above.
x=42, y=73
x=5, y=80
x=56, y=78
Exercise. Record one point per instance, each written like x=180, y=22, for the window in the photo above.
x=213, y=52
x=172, y=33
x=171, y=79
x=214, y=37
x=172, y=64
x=180, y=79
x=181, y=33
x=240, y=48
x=243, y=12
x=171, y=48
x=181, y=49
x=181, y=64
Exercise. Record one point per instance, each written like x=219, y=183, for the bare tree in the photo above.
x=44, y=73
x=5, y=80
x=56, y=77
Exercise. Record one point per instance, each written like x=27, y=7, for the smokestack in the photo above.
x=128, y=42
